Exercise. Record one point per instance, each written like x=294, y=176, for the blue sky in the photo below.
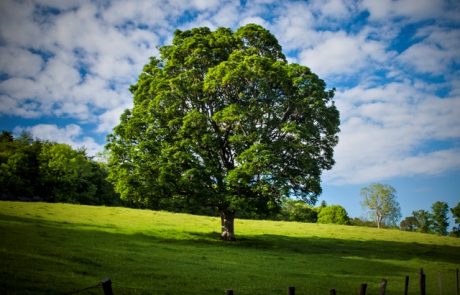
x=65, y=69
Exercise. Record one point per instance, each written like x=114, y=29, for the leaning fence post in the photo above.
x=383, y=287
x=107, y=286
x=332, y=292
x=291, y=291
x=406, y=286
x=229, y=292
x=362, y=291
x=422, y=282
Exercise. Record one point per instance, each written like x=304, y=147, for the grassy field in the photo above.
x=62, y=248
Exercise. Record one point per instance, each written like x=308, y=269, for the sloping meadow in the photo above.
x=62, y=248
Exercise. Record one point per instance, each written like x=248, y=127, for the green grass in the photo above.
x=60, y=248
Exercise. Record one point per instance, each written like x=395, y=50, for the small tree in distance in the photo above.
x=297, y=210
x=424, y=221
x=381, y=201
x=409, y=224
x=440, y=223
x=335, y=214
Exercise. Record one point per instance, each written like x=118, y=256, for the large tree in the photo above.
x=222, y=119
x=381, y=201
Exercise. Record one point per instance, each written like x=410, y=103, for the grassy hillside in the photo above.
x=61, y=248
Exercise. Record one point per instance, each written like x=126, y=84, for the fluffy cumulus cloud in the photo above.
x=68, y=60
x=387, y=130
x=437, y=52
x=71, y=134
x=395, y=65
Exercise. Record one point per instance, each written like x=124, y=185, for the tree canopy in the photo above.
x=440, y=219
x=222, y=119
x=381, y=201
x=333, y=214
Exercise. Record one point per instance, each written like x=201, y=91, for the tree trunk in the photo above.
x=227, y=225
x=379, y=220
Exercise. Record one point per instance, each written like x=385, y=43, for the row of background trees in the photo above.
x=384, y=209
x=436, y=221
x=46, y=171
x=31, y=169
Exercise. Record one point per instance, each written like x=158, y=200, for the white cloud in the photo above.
x=147, y=12
x=15, y=29
x=227, y=15
x=110, y=118
x=254, y=20
x=294, y=26
x=205, y=4
x=333, y=9
x=383, y=129
x=436, y=53
x=22, y=88
x=71, y=134
x=23, y=109
x=74, y=41
x=20, y=62
x=340, y=54
x=414, y=9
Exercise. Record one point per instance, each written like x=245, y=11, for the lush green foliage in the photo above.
x=60, y=248
x=440, y=223
x=381, y=201
x=409, y=223
x=35, y=170
x=424, y=221
x=334, y=214
x=456, y=214
x=222, y=119
x=435, y=221
x=297, y=210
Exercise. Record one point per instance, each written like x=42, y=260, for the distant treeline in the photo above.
x=35, y=170
x=435, y=222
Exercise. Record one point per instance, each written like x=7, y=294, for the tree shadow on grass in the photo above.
x=367, y=249
x=88, y=252
x=373, y=249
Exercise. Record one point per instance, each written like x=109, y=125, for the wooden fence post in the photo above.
x=362, y=291
x=107, y=286
x=458, y=291
x=422, y=282
x=406, y=286
x=383, y=287
x=291, y=291
x=332, y=292
x=229, y=292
